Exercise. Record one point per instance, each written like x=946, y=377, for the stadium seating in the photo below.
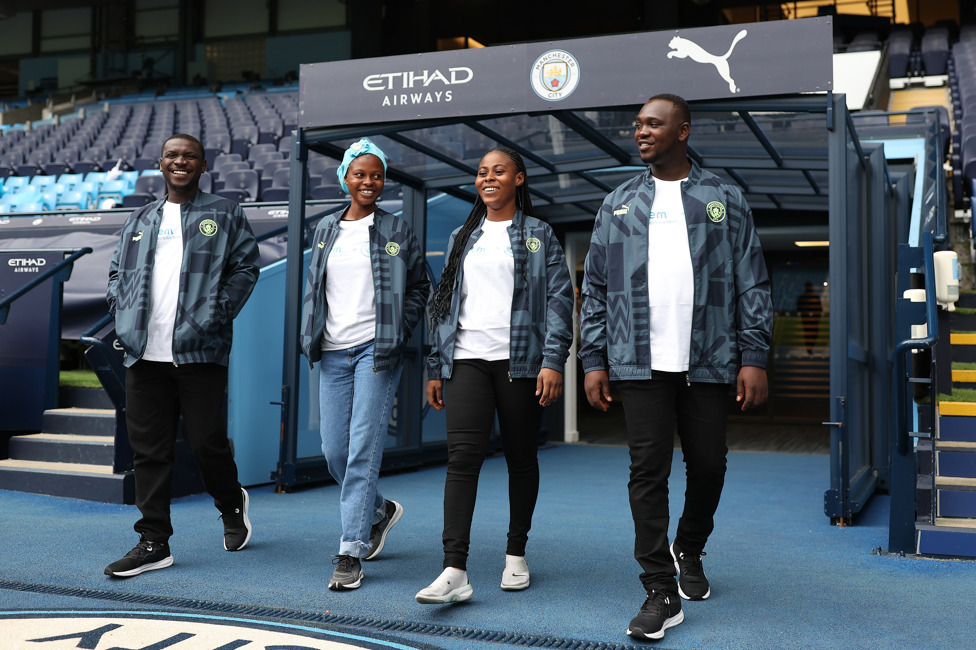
x=256, y=126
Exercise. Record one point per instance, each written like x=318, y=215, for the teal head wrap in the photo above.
x=364, y=146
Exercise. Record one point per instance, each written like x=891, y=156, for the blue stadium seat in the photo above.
x=86, y=166
x=130, y=178
x=326, y=192
x=71, y=179
x=137, y=200
x=112, y=191
x=8, y=203
x=14, y=183
x=95, y=177
x=30, y=207
x=246, y=180
x=233, y=194
x=73, y=201
x=206, y=182
x=40, y=180
x=275, y=194
x=154, y=185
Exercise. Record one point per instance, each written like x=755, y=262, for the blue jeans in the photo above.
x=354, y=406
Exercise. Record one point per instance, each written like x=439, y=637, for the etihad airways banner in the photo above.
x=771, y=58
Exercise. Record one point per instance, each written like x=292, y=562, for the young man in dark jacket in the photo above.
x=183, y=269
x=676, y=307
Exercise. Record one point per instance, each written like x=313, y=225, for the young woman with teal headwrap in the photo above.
x=366, y=291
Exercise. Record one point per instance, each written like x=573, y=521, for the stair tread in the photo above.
x=78, y=410
x=76, y=438
x=955, y=522
x=954, y=445
x=63, y=468
x=955, y=481
x=957, y=408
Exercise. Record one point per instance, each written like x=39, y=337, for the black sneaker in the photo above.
x=377, y=536
x=237, y=526
x=348, y=573
x=692, y=583
x=659, y=612
x=146, y=556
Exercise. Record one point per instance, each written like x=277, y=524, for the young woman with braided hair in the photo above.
x=501, y=323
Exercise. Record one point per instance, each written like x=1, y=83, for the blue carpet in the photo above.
x=781, y=576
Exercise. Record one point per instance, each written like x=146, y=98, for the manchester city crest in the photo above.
x=715, y=211
x=555, y=75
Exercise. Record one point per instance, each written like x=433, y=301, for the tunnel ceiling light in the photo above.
x=812, y=243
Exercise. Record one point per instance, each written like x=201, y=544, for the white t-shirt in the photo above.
x=487, y=286
x=349, y=290
x=670, y=279
x=164, y=287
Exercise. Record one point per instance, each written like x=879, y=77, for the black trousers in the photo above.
x=652, y=409
x=156, y=394
x=475, y=392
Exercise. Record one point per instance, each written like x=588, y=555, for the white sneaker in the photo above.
x=451, y=586
x=516, y=574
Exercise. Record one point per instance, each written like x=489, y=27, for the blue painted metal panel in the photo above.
x=29, y=339
x=957, y=543
x=957, y=503
x=957, y=463
x=957, y=428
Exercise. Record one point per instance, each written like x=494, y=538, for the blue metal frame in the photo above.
x=863, y=245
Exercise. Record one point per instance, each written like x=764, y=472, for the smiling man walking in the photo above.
x=183, y=269
x=676, y=307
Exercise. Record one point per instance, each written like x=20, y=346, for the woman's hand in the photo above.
x=435, y=394
x=548, y=385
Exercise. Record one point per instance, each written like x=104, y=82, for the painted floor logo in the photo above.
x=104, y=630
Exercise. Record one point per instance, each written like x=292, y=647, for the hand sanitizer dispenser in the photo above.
x=946, y=279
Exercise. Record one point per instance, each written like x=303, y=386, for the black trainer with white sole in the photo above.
x=659, y=612
x=146, y=556
x=692, y=583
x=237, y=524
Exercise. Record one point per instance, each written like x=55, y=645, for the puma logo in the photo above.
x=137, y=237
x=682, y=48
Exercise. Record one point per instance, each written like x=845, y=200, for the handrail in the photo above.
x=898, y=360
x=105, y=361
x=54, y=270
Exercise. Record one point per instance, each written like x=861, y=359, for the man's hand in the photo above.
x=751, y=388
x=435, y=394
x=548, y=386
x=596, y=383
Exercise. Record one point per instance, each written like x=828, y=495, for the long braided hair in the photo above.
x=440, y=305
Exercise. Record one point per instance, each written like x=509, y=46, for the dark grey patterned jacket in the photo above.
x=399, y=279
x=220, y=267
x=542, y=304
x=732, y=318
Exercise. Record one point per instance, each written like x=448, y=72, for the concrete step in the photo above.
x=79, y=421
x=79, y=481
x=63, y=448
x=93, y=398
